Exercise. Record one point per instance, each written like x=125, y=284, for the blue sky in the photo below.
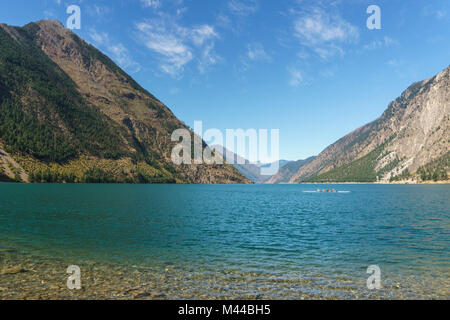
x=309, y=68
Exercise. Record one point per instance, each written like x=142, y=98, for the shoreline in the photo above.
x=242, y=184
x=379, y=183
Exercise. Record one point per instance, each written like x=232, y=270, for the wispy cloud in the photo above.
x=100, y=13
x=99, y=38
x=432, y=11
x=121, y=54
x=256, y=52
x=207, y=58
x=319, y=33
x=116, y=50
x=166, y=43
x=203, y=33
x=243, y=7
x=381, y=43
x=323, y=31
x=155, y=4
x=175, y=45
x=49, y=14
x=402, y=68
x=296, y=77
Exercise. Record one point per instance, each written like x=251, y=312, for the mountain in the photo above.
x=281, y=163
x=251, y=171
x=69, y=114
x=286, y=172
x=409, y=142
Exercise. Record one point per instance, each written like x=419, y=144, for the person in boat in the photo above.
x=318, y=190
x=328, y=190
x=334, y=191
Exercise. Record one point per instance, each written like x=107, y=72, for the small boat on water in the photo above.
x=326, y=191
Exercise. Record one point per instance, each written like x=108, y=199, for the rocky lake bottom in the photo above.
x=34, y=278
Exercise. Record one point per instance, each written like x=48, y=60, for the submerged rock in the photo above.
x=13, y=270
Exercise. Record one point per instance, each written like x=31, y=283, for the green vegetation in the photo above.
x=53, y=122
x=43, y=116
x=361, y=170
x=59, y=132
x=90, y=170
x=435, y=170
x=97, y=175
x=403, y=176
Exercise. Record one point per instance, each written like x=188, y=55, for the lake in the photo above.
x=225, y=241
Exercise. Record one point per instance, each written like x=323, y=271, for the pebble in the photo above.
x=13, y=270
x=109, y=281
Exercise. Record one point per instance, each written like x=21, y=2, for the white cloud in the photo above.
x=121, y=54
x=176, y=46
x=324, y=32
x=181, y=11
x=155, y=4
x=99, y=38
x=223, y=21
x=256, y=52
x=243, y=7
x=168, y=43
x=117, y=51
x=296, y=77
x=438, y=13
x=49, y=14
x=99, y=12
x=395, y=63
x=327, y=52
x=202, y=34
x=377, y=44
x=402, y=68
x=208, y=58
x=320, y=27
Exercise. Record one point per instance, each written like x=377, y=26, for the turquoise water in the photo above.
x=267, y=229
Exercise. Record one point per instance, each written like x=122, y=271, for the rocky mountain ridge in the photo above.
x=410, y=137
x=70, y=114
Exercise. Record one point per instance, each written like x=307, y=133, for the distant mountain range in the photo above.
x=69, y=114
x=285, y=174
x=251, y=171
x=409, y=142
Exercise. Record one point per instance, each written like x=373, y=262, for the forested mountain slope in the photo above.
x=69, y=114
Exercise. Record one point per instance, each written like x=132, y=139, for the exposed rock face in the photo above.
x=284, y=175
x=130, y=134
x=411, y=133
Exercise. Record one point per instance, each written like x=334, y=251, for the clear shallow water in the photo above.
x=236, y=232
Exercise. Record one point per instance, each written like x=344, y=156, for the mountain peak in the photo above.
x=51, y=23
